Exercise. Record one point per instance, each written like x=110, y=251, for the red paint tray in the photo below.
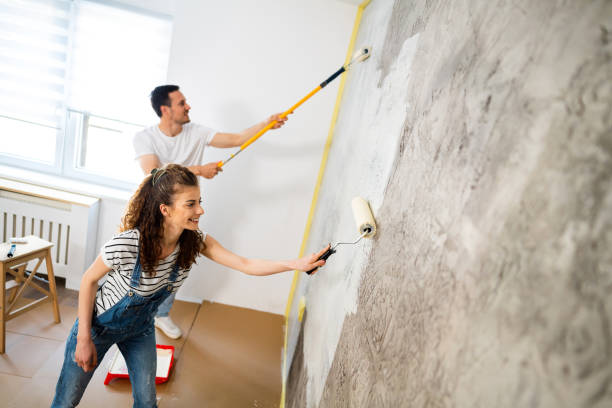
x=165, y=359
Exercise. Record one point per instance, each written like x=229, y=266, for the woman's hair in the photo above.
x=143, y=213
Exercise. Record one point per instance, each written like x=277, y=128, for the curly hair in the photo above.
x=143, y=213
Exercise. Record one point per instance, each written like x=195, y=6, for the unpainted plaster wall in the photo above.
x=481, y=133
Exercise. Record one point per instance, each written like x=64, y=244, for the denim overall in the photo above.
x=129, y=324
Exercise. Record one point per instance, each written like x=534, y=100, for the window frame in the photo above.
x=54, y=168
x=75, y=128
x=69, y=135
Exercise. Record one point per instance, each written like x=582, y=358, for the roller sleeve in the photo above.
x=363, y=216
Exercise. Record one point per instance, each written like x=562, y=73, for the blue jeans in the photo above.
x=166, y=305
x=140, y=356
x=129, y=324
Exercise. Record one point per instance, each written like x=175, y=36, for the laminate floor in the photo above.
x=227, y=357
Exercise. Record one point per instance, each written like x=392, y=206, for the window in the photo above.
x=104, y=146
x=75, y=76
x=34, y=44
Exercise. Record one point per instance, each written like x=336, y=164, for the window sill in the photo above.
x=64, y=184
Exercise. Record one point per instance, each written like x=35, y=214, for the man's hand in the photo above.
x=209, y=170
x=279, y=121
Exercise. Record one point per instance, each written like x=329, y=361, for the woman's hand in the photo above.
x=311, y=261
x=85, y=354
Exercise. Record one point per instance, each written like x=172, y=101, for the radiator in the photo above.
x=69, y=221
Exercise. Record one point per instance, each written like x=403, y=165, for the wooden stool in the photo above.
x=35, y=248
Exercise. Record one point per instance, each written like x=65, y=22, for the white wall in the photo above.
x=238, y=61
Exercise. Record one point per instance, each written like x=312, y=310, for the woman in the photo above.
x=146, y=262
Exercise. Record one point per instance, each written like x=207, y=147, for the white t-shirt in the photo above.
x=120, y=255
x=186, y=148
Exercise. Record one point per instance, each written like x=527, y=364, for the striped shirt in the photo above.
x=120, y=255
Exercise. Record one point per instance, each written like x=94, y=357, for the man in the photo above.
x=176, y=140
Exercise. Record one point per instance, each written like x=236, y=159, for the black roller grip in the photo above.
x=332, y=77
x=325, y=255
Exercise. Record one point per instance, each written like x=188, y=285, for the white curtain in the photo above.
x=119, y=55
x=34, y=53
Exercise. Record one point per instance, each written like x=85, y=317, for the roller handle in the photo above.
x=325, y=255
x=332, y=77
x=284, y=114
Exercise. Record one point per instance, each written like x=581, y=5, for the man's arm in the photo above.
x=149, y=162
x=237, y=139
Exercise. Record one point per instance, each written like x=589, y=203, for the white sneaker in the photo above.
x=165, y=324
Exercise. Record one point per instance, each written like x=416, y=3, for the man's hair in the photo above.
x=160, y=97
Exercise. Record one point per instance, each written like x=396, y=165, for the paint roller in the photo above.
x=359, y=56
x=365, y=225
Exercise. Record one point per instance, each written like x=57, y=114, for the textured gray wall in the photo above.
x=489, y=283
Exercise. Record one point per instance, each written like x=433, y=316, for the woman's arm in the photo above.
x=260, y=267
x=85, y=354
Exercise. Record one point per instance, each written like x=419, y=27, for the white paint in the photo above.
x=238, y=61
x=365, y=147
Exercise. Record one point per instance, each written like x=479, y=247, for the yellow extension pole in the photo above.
x=270, y=125
x=283, y=115
x=364, y=54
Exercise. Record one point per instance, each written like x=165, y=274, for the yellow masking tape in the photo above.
x=315, y=195
x=301, y=308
